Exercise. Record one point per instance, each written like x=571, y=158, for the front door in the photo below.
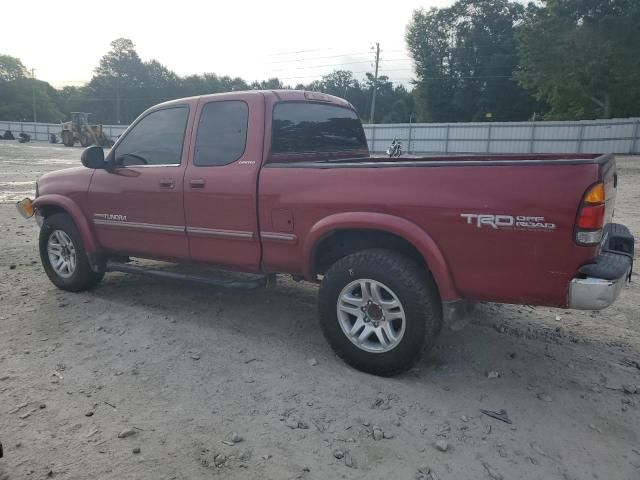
x=221, y=180
x=137, y=207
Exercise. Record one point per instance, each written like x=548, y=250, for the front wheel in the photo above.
x=85, y=139
x=379, y=310
x=63, y=255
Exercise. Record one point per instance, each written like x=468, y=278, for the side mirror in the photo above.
x=93, y=157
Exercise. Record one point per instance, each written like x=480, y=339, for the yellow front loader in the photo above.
x=81, y=129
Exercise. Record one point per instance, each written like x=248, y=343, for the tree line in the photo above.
x=553, y=59
x=477, y=60
x=123, y=86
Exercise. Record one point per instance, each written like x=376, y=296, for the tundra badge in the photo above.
x=110, y=216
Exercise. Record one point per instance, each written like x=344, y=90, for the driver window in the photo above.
x=157, y=139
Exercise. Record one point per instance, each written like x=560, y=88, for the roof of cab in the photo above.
x=281, y=95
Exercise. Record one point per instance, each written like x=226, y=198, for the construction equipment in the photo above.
x=81, y=129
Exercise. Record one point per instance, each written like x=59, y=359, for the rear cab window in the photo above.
x=305, y=127
x=222, y=133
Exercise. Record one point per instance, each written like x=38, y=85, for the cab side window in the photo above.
x=157, y=139
x=222, y=133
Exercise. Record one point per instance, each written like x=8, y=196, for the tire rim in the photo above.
x=371, y=315
x=62, y=253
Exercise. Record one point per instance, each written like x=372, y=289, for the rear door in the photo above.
x=137, y=208
x=220, y=183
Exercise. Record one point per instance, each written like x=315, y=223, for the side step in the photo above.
x=260, y=281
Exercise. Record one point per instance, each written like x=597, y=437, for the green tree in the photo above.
x=270, y=84
x=208, y=83
x=465, y=57
x=16, y=101
x=119, y=80
x=73, y=99
x=18, y=91
x=583, y=57
x=341, y=83
x=393, y=103
x=159, y=77
x=123, y=86
x=11, y=68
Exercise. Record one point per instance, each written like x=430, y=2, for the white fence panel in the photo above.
x=589, y=136
x=40, y=132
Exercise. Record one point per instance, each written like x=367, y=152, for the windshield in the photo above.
x=300, y=127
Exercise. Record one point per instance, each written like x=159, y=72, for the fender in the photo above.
x=401, y=227
x=76, y=214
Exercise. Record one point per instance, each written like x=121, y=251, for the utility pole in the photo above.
x=33, y=93
x=118, y=99
x=375, y=85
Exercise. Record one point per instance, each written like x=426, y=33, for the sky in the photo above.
x=293, y=40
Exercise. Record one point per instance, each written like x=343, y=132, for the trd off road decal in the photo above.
x=518, y=222
x=110, y=216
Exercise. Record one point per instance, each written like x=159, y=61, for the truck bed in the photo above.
x=487, y=264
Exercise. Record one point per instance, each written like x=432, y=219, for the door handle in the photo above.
x=197, y=183
x=167, y=183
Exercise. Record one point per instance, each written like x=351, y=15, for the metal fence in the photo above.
x=40, y=132
x=588, y=136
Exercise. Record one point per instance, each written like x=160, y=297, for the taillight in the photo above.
x=591, y=216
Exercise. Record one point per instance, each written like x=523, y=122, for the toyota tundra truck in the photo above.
x=267, y=182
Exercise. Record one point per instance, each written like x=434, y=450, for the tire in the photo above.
x=67, y=139
x=397, y=277
x=81, y=277
x=85, y=139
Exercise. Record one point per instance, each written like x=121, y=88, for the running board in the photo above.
x=261, y=281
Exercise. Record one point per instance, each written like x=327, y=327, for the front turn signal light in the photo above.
x=25, y=208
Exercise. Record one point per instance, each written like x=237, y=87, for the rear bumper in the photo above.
x=600, y=283
x=593, y=293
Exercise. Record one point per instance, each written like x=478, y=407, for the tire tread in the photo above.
x=84, y=278
x=415, y=282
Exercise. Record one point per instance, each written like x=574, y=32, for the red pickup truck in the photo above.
x=282, y=182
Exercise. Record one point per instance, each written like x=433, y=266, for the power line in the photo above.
x=299, y=51
x=307, y=67
x=382, y=59
x=354, y=73
x=477, y=77
x=314, y=58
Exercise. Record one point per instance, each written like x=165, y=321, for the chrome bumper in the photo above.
x=593, y=293
x=600, y=282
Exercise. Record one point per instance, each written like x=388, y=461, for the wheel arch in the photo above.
x=51, y=204
x=395, y=232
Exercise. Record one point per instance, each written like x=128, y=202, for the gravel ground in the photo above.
x=151, y=379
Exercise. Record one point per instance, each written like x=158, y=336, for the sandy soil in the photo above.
x=180, y=368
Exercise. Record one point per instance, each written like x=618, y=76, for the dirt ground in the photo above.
x=177, y=369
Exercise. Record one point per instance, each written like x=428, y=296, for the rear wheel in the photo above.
x=63, y=255
x=67, y=139
x=379, y=310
